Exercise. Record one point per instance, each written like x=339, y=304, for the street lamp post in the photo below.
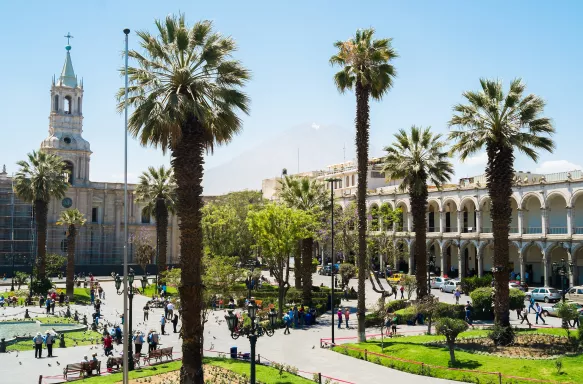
x=130, y=292
x=430, y=263
x=562, y=271
x=12, y=283
x=252, y=332
x=332, y=180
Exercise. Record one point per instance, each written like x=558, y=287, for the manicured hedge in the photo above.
x=482, y=300
x=470, y=284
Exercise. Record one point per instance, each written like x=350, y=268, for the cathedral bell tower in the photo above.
x=66, y=123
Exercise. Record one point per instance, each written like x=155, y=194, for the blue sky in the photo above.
x=444, y=47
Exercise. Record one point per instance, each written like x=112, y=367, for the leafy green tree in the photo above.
x=450, y=328
x=20, y=278
x=39, y=180
x=417, y=157
x=502, y=124
x=221, y=275
x=55, y=264
x=185, y=91
x=157, y=190
x=366, y=68
x=346, y=271
x=567, y=312
x=276, y=229
x=71, y=218
x=344, y=231
x=310, y=196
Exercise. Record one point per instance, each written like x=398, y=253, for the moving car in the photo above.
x=575, y=294
x=551, y=310
x=395, y=278
x=450, y=285
x=437, y=282
x=546, y=294
x=515, y=286
x=327, y=270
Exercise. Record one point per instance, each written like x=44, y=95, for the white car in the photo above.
x=515, y=286
x=437, y=282
x=450, y=286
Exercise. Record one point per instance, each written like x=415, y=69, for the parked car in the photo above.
x=327, y=270
x=395, y=278
x=450, y=286
x=545, y=294
x=551, y=310
x=515, y=286
x=575, y=294
x=437, y=282
x=523, y=285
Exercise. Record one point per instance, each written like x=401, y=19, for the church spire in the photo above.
x=68, y=78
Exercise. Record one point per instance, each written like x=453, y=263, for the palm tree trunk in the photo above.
x=307, y=249
x=188, y=164
x=298, y=266
x=162, y=232
x=418, y=210
x=41, y=209
x=71, y=262
x=362, y=133
x=499, y=173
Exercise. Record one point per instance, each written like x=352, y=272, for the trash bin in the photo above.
x=233, y=352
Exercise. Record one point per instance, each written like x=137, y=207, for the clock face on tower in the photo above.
x=67, y=202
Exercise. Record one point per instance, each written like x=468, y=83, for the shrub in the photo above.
x=406, y=314
x=396, y=305
x=470, y=284
x=373, y=320
x=346, y=271
x=516, y=299
x=501, y=335
x=450, y=328
x=452, y=311
x=482, y=303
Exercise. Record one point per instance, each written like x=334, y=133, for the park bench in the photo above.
x=82, y=369
x=166, y=352
x=117, y=361
x=137, y=357
x=155, y=354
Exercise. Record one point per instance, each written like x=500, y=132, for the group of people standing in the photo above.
x=48, y=340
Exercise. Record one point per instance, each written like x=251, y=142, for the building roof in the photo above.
x=68, y=78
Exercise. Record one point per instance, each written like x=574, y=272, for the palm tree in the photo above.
x=157, y=190
x=502, y=124
x=39, y=179
x=366, y=68
x=308, y=195
x=186, y=94
x=416, y=157
x=71, y=218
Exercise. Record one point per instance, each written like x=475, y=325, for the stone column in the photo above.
x=461, y=263
x=478, y=222
x=460, y=221
x=443, y=265
x=480, y=264
x=545, y=268
x=569, y=221
x=544, y=222
x=441, y=221
x=522, y=265
x=394, y=227
x=520, y=220
x=570, y=260
x=409, y=222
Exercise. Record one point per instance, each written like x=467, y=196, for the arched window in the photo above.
x=146, y=219
x=56, y=103
x=79, y=105
x=68, y=105
x=69, y=170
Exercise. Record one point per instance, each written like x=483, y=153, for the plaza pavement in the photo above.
x=301, y=349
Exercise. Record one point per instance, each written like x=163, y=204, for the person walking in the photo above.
x=457, y=293
x=146, y=311
x=170, y=310
x=153, y=340
x=525, y=316
x=402, y=289
x=49, y=341
x=539, y=314
x=166, y=310
x=48, y=305
x=286, y=320
x=175, y=322
x=53, y=306
x=38, y=341
x=395, y=291
x=108, y=345
x=531, y=305
x=162, y=324
x=347, y=316
x=138, y=341
x=468, y=310
x=339, y=313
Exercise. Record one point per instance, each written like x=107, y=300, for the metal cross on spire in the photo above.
x=68, y=36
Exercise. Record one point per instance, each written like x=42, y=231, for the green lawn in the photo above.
x=151, y=290
x=71, y=338
x=412, y=348
x=265, y=375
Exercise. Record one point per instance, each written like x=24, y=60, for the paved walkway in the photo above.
x=301, y=349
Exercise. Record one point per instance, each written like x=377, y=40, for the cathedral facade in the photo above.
x=100, y=240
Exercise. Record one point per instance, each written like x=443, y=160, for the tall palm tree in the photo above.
x=416, y=157
x=502, y=124
x=71, y=218
x=40, y=179
x=308, y=195
x=157, y=190
x=366, y=68
x=186, y=93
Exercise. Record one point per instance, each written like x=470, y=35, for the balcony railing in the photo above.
x=486, y=230
x=432, y=229
x=450, y=229
x=513, y=229
x=557, y=230
x=578, y=230
x=532, y=230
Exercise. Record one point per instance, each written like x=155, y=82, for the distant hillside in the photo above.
x=319, y=146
